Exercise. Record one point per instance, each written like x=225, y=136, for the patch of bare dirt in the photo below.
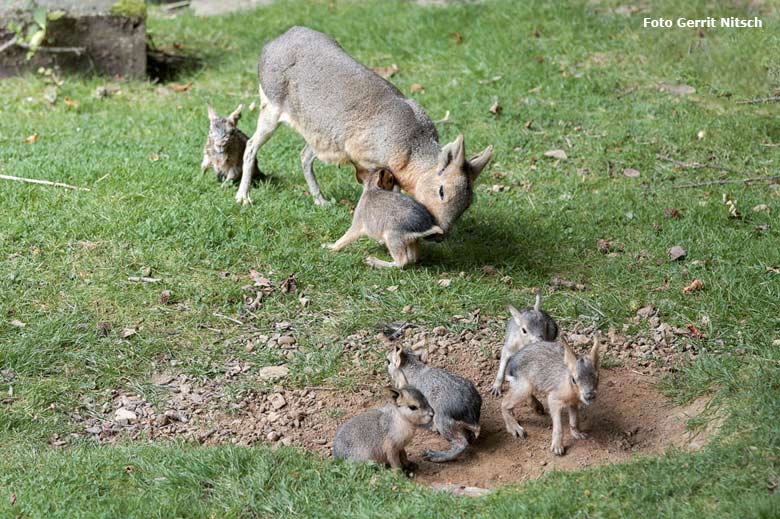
x=629, y=418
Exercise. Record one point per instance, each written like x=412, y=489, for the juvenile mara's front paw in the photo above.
x=243, y=199
x=495, y=390
x=329, y=246
x=557, y=449
x=517, y=431
x=578, y=435
x=320, y=201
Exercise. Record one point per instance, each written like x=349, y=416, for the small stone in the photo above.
x=320, y=441
x=277, y=401
x=676, y=253
x=272, y=373
x=286, y=340
x=125, y=415
x=162, y=420
x=440, y=331
x=273, y=436
x=645, y=312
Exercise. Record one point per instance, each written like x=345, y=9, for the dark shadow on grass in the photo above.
x=497, y=241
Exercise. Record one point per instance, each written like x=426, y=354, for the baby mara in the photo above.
x=381, y=435
x=391, y=218
x=225, y=146
x=552, y=369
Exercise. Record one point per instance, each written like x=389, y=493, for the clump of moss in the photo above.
x=130, y=8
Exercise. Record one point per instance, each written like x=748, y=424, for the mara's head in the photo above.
x=584, y=372
x=447, y=191
x=223, y=129
x=534, y=324
x=411, y=404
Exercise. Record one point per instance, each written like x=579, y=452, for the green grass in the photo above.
x=590, y=77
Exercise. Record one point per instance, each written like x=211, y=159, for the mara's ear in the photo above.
x=569, y=358
x=361, y=175
x=452, y=153
x=212, y=114
x=398, y=356
x=595, y=352
x=478, y=162
x=517, y=317
x=538, y=303
x=392, y=392
x=386, y=179
x=236, y=115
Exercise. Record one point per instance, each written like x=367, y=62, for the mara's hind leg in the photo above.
x=397, y=249
x=267, y=122
x=454, y=433
x=412, y=251
x=307, y=163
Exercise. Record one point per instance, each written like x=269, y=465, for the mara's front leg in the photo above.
x=556, y=408
x=353, y=234
x=574, y=419
x=267, y=122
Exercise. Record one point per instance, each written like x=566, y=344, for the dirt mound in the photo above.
x=629, y=418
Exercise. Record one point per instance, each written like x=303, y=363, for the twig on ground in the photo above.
x=42, y=182
x=729, y=181
x=143, y=279
x=759, y=100
x=320, y=388
x=222, y=316
x=176, y=5
x=78, y=51
x=7, y=44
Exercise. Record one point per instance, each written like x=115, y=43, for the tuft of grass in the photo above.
x=580, y=77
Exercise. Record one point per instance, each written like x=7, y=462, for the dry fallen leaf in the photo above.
x=71, y=102
x=564, y=283
x=128, y=332
x=458, y=37
x=444, y=283
x=676, y=253
x=556, y=154
x=154, y=157
x=672, y=212
x=495, y=108
x=693, y=287
x=773, y=270
x=12, y=499
x=528, y=124
x=386, y=72
x=732, y=206
x=694, y=331
x=17, y=323
x=32, y=138
x=760, y=208
x=415, y=87
x=631, y=172
x=164, y=297
x=176, y=87
x=392, y=288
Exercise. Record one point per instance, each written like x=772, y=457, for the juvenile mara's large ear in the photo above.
x=538, y=303
x=386, y=179
x=478, y=162
x=361, y=175
x=212, y=113
x=398, y=356
x=569, y=358
x=236, y=115
x=595, y=352
x=517, y=317
x=392, y=392
x=452, y=153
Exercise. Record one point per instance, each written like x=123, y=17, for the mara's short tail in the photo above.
x=430, y=232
